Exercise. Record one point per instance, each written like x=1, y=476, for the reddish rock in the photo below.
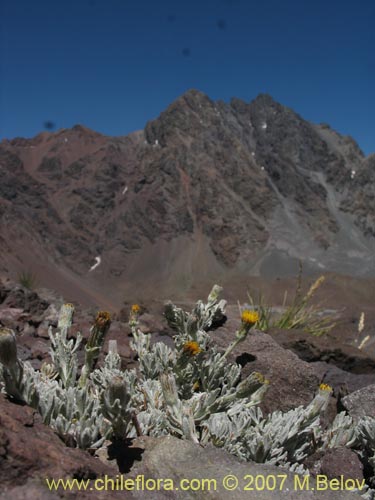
x=342, y=462
x=19, y=297
x=30, y=450
x=9, y=316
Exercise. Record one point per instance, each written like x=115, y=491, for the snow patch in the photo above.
x=125, y=189
x=264, y=125
x=97, y=263
x=352, y=174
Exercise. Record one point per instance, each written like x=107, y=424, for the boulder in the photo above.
x=29, y=450
x=293, y=382
x=325, y=348
x=360, y=403
x=342, y=381
x=342, y=462
x=174, y=459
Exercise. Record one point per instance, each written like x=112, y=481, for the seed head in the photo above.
x=117, y=390
x=103, y=319
x=314, y=287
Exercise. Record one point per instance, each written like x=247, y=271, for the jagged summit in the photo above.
x=194, y=94
x=81, y=128
x=208, y=189
x=265, y=100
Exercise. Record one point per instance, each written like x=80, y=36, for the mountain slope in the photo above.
x=207, y=191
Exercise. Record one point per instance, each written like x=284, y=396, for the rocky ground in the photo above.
x=294, y=361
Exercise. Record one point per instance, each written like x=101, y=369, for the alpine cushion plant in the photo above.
x=190, y=391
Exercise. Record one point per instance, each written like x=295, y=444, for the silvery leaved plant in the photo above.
x=191, y=391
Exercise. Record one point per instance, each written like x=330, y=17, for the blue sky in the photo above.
x=112, y=65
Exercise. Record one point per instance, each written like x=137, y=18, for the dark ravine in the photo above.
x=206, y=192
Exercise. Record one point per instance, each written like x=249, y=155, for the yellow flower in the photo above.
x=249, y=318
x=192, y=348
x=325, y=387
x=135, y=308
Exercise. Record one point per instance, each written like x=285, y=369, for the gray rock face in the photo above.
x=361, y=403
x=206, y=188
x=360, y=198
x=341, y=380
x=167, y=457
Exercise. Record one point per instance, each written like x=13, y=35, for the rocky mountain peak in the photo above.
x=266, y=101
x=82, y=129
x=193, y=98
x=208, y=188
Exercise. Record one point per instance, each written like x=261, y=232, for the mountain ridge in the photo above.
x=206, y=190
